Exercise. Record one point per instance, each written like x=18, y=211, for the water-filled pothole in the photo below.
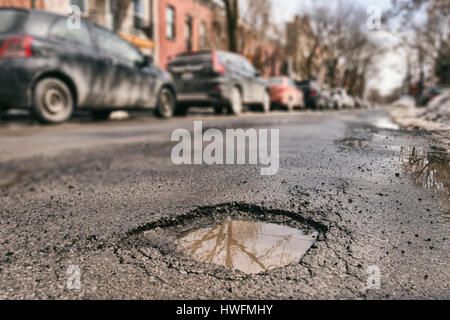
x=247, y=246
x=351, y=142
x=216, y=239
x=429, y=169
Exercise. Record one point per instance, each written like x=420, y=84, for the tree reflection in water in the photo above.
x=250, y=247
x=429, y=170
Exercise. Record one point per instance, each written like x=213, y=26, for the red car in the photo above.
x=285, y=94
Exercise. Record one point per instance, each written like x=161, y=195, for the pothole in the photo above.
x=385, y=123
x=351, y=142
x=247, y=246
x=234, y=237
x=430, y=170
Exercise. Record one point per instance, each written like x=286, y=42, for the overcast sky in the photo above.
x=390, y=68
x=285, y=10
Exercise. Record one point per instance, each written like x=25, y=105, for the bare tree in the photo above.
x=258, y=32
x=333, y=46
x=232, y=15
x=428, y=38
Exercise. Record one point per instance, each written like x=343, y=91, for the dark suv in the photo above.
x=311, y=92
x=219, y=79
x=52, y=67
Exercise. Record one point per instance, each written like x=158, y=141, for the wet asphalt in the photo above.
x=85, y=193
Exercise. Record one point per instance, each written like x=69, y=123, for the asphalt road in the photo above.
x=84, y=193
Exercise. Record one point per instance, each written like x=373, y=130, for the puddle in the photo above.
x=351, y=142
x=430, y=170
x=385, y=123
x=250, y=247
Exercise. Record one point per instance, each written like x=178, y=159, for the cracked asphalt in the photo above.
x=83, y=193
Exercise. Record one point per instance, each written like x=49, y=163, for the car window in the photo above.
x=112, y=44
x=61, y=31
x=245, y=66
x=227, y=61
x=248, y=67
x=10, y=19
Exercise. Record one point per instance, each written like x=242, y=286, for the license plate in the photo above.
x=187, y=76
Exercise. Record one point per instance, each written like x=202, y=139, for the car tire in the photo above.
x=53, y=101
x=101, y=115
x=236, y=103
x=166, y=104
x=265, y=105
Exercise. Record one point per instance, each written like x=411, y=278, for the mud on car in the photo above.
x=53, y=69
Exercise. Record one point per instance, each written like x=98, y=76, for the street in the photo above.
x=86, y=193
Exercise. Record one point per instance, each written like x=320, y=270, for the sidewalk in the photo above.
x=435, y=118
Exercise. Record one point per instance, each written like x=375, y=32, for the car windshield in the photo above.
x=192, y=58
x=10, y=19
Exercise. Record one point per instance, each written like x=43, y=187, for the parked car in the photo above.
x=325, y=101
x=341, y=99
x=220, y=79
x=284, y=93
x=428, y=95
x=54, y=70
x=311, y=91
x=361, y=103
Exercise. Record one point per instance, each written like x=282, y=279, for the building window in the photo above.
x=203, y=35
x=188, y=33
x=170, y=23
x=82, y=4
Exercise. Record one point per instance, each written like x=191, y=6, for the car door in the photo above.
x=258, y=84
x=126, y=83
x=247, y=76
x=76, y=55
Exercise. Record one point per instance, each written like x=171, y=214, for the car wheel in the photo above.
x=236, y=104
x=53, y=101
x=166, y=104
x=265, y=106
x=101, y=114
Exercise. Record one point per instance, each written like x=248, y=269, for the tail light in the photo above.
x=217, y=67
x=313, y=92
x=16, y=47
x=217, y=89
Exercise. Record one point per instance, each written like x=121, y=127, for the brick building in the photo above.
x=22, y=3
x=184, y=26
